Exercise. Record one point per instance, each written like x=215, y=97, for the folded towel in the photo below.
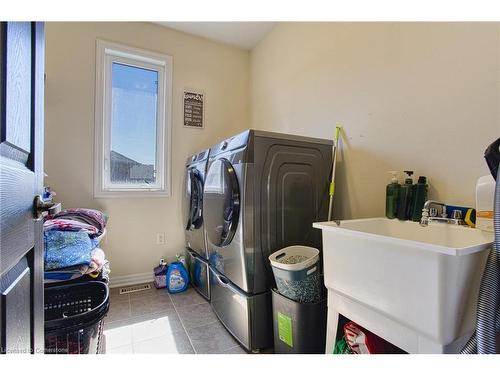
x=86, y=215
x=97, y=259
x=67, y=249
x=70, y=226
x=98, y=266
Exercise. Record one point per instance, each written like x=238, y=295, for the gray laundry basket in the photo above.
x=297, y=274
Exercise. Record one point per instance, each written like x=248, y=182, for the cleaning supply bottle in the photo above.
x=391, y=196
x=160, y=272
x=182, y=259
x=177, y=278
x=405, y=198
x=419, y=199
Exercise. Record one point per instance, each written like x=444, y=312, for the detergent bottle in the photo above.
x=177, y=278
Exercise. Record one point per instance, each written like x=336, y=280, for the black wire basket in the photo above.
x=74, y=317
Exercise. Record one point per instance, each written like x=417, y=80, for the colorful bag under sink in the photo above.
x=177, y=278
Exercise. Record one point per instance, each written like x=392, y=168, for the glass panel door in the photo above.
x=194, y=200
x=221, y=203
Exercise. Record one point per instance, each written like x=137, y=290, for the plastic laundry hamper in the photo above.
x=297, y=274
x=74, y=317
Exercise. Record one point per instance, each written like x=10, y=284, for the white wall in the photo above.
x=221, y=71
x=417, y=96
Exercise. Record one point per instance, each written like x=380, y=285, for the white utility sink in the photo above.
x=414, y=286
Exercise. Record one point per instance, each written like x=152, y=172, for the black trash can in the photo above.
x=299, y=328
x=74, y=316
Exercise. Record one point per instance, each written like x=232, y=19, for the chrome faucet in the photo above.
x=429, y=214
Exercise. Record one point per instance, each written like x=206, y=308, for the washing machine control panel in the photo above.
x=203, y=155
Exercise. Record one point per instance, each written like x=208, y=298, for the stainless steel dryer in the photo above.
x=196, y=249
x=262, y=192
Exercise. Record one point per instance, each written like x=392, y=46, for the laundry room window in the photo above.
x=132, y=122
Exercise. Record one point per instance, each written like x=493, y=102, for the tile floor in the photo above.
x=154, y=321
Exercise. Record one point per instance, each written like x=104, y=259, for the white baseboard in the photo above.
x=136, y=278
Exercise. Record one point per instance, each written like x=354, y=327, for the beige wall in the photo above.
x=415, y=96
x=221, y=71
x=409, y=96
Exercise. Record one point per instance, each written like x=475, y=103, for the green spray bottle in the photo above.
x=391, y=196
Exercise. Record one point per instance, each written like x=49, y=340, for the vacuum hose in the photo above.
x=484, y=340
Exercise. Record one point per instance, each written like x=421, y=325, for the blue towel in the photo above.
x=67, y=249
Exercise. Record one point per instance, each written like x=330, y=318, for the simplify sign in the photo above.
x=193, y=109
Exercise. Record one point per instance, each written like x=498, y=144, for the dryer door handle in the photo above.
x=197, y=257
x=224, y=281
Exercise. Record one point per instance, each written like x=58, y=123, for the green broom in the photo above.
x=334, y=162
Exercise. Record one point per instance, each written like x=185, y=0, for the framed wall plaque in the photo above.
x=194, y=108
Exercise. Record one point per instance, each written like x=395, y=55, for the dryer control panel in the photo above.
x=233, y=143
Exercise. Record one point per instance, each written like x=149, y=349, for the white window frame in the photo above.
x=106, y=54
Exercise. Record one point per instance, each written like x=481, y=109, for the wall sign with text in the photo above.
x=194, y=107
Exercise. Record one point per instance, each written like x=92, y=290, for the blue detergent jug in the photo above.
x=177, y=278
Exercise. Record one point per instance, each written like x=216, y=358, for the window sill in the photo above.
x=132, y=194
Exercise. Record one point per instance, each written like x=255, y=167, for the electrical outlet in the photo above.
x=160, y=238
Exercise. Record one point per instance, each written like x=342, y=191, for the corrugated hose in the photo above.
x=484, y=340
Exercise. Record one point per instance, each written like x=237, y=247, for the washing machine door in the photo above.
x=194, y=200
x=221, y=201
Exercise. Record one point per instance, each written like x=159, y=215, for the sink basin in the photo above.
x=414, y=286
x=436, y=237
